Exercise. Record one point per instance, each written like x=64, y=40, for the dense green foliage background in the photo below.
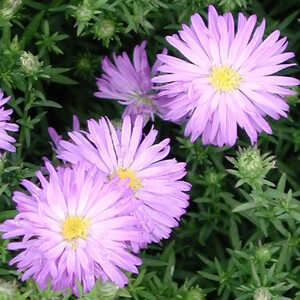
x=240, y=238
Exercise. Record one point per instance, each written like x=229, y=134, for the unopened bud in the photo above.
x=263, y=254
x=30, y=63
x=262, y=294
x=104, y=29
x=8, y=8
x=8, y=289
x=252, y=167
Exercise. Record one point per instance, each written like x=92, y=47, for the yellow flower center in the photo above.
x=224, y=78
x=75, y=227
x=135, y=182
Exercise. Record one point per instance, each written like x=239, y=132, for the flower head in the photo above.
x=75, y=229
x=228, y=80
x=5, y=139
x=155, y=181
x=131, y=83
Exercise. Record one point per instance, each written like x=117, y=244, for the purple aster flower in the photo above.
x=131, y=84
x=228, y=80
x=75, y=228
x=158, y=191
x=5, y=139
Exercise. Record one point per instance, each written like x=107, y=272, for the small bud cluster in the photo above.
x=251, y=166
x=8, y=8
x=30, y=64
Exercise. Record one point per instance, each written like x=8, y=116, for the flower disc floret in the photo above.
x=75, y=227
x=224, y=78
x=134, y=181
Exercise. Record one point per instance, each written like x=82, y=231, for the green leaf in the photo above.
x=31, y=29
x=47, y=103
x=234, y=235
x=123, y=293
x=4, y=272
x=283, y=257
x=245, y=206
x=7, y=214
x=285, y=23
x=35, y=5
x=63, y=80
x=209, y=276
x=295, y=215
x=154, y=262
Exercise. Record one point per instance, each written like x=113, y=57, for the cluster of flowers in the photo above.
x=227, y=80
x=116, y=192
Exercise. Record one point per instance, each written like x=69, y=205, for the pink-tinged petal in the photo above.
x=179, y=64
x=241, y=21
x=201, y=32
x=151, y=155
x=5, y=139
x=242, y=38
x=261, y=51
x=224, y=40
x=186, y=51
x=134, y=141
x=125, y=136
x=106, y=149
x=212, y=22
x=230, y=26
x=264, y=71
x=158, y=62
x=255, y=41
x=189, y=37
x=277, y=80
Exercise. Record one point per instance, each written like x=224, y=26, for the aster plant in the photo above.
x=74, y=229
x=158, y=190
x=228, y=80
x=131, y=84
x=5, y=126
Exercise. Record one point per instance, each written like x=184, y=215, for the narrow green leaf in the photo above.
x=7, y=214
x=154, y=262
x=295, y=215
x=31, y=29
x=209, y=276
x=63, y=80
x=245, y=206
x=234, y=235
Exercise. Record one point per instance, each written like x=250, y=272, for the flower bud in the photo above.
x=262, y=294
x=8, y=290
x=83, y=14
x=263, y=254
x=85, y=65
x=8, y=8
x=104, y=29
x=252, y=167
x=30, y=64
x=194, y=294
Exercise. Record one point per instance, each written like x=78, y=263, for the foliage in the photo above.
x=240, y=238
